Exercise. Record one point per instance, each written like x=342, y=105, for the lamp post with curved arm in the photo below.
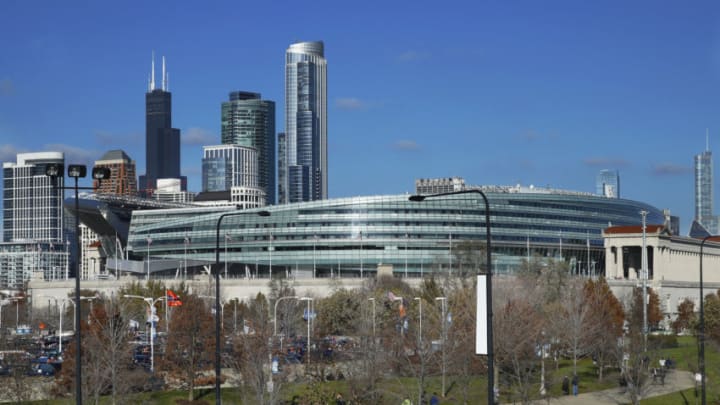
x=151, y=304
x=488, y=289
x=218, y=309
x=701, y=353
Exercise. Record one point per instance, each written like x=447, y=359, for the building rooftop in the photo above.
x=116, y=154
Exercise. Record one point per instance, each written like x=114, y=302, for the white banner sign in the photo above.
x=481, y=332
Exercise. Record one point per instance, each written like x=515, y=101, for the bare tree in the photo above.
x=17, y=387
x=575, y=318
x=460, y=323
x=516, y=353
x=252, y=353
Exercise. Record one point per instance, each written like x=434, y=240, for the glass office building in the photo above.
x=350, y=236
x=249, y=121
x=228, y=166
x=305, y=144
x=608, y=183
x=33, y=234
x=704, y=192
x=32, y=207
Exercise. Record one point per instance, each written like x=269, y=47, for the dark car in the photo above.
x=42, y=369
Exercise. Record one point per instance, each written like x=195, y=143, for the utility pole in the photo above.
x=644, y=277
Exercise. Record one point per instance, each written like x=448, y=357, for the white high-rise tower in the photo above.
x=303, y=173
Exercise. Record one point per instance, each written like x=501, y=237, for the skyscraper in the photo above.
x=704, y=191
x=231, y=173
x=306, y=163
x=122, y=179
x=228, y=166
x=162, y=141
x=249, y=121
x=32, y=208
x=608, y=183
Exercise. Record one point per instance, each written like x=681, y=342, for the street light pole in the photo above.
x=701, y=354
x=227, y=236
x=149, y=241
x=373, y=316
x=309, y=319
x=54, y=171
x=488, y=286
x=275, y=311
x=218, y=309
x=314, y=261
x=644, y=265
x=151, y=304
x=186, y=241
x=406, y=255
x=443, y=301
x=419, y=300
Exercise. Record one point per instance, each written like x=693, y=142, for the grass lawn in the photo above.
x=686, y=357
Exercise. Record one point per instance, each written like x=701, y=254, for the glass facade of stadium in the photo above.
x=350, y=236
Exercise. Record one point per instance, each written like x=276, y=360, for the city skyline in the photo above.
x=496, y=94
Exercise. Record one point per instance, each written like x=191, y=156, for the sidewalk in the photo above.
x=675, y=381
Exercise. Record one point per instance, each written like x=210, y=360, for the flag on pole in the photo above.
x=172, y=299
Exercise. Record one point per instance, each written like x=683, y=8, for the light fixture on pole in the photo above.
x=185, y=243
x=406, y=255
x=644, y=277
x=373, y=316
x=484, y=344
x=149, y=242
x=309, y=319
x=315, y=238
x=443, y=302
x=701, y=353
x=293, y=297
x=153, y=318
x=218, y=309
x=55, y=171
x=419, y=300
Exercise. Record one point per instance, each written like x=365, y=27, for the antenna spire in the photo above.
x=164, y=75
x=152, y=72
x=707, y=139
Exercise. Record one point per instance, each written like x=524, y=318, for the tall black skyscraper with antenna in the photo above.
x=162, y=141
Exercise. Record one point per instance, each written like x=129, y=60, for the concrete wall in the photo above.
x=200, y=285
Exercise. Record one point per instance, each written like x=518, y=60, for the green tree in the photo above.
x=338, y=314
x=712, y=317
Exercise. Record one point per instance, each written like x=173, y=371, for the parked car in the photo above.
x=42, y=369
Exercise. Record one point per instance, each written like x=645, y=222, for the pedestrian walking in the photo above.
x=406, y=401
x=566, y=386
x=575, y=382
x=434, y=400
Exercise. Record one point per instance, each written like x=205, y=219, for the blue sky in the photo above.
x=501, y=92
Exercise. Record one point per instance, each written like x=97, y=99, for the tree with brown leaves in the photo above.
x=190, y=347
